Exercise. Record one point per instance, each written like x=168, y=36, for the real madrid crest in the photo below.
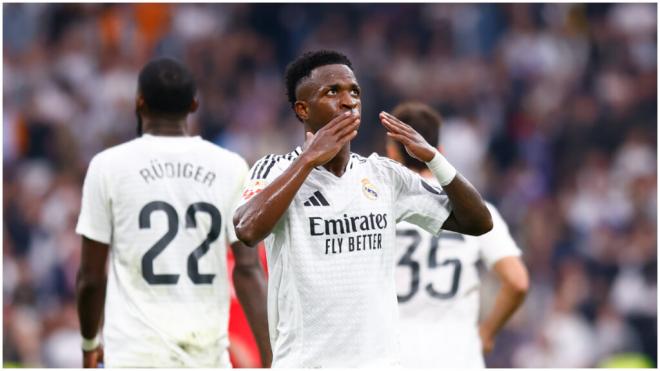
x=369, y=189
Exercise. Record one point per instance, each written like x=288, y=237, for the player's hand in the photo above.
x=323, y=146
x=92, y=358
x=487, y=340
x=415, y=144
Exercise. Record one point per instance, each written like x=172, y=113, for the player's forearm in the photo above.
x=468, y=208
x=250, y=285
x=469, y=212
x=90, y=294
x=256, y=219
x=509, y=298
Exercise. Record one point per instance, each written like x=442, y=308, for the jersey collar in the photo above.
x=352, y=161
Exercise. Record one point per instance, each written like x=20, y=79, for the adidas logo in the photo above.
x=317, y=200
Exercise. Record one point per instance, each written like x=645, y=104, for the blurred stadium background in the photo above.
x=550, y=110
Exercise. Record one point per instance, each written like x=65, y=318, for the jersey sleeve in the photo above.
x=497, y=243
x=262, y=173
x=95, y=219
x=417, y=201
x=241, y=174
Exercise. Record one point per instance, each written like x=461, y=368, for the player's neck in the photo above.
x=165, y=126
x=338, y=164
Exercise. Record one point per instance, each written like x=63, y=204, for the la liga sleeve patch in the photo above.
x=255, y=186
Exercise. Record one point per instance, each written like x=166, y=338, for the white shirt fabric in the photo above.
x=438, y=291
x=331, y=292
x=156, y=200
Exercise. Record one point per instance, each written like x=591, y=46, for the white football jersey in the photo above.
x=165, y=207
x=331, y=291
x=438, y=292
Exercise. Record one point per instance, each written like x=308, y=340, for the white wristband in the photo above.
x=443, y=171
x=90, y=344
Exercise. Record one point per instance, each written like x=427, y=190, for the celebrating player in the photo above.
x=329, y=215
x=161, y=205
x=437, y=278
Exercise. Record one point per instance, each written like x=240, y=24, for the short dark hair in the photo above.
x=167, y=86
x=302, y=66
x=425, y=120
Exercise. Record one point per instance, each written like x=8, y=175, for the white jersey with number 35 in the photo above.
x=164, y=205
x=438, y=292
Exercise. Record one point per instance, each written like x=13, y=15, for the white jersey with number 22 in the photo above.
x=164, y=205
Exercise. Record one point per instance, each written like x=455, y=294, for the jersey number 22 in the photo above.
x=172, y=229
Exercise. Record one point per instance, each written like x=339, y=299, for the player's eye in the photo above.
x=332, y=92
x=355, y=92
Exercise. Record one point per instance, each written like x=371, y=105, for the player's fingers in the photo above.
x=389, y=126
x=404, y=129
x=340, y=120
x=330, y=126
x=394, y=121
x=395, y=129
x=347, y=138
x=348, y=129
x=393, y=118
x=345, y=122
x=354, y=125
x=399, y=138
x=397, y=123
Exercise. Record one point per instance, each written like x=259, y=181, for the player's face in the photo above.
x=331, y=91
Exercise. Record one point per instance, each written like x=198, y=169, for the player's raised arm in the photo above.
x=90, y=293
x=470, y=214
x=255, y=219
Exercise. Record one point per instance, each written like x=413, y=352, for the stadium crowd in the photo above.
x=549, y=109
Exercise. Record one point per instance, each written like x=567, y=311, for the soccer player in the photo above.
x=437, y=277
x=161, y=205
x=329, y=215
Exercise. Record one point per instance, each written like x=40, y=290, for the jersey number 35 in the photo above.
x=407, y=260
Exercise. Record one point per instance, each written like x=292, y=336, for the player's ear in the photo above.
x=193, y=106
x=302, y=110
x=139, y=103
